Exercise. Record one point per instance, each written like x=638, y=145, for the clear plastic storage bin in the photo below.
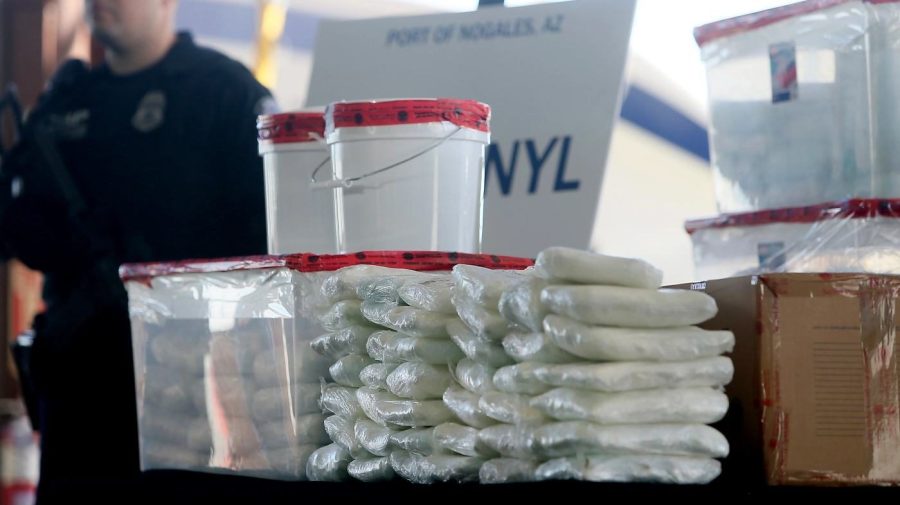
x=226, y=379
x=850, y=236
x=803, y=104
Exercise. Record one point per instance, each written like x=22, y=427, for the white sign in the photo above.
x=552, y=75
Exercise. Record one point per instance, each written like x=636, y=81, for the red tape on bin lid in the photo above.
x=423, y=261
x=463, y=113
x=291, y=127
x=854, y=208
x=748, y=22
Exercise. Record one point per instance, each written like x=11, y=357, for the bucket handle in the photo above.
x=347, y=183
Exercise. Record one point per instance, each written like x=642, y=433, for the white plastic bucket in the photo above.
x=410, y=173
x=298, y=218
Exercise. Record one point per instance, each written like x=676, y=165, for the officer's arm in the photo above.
x=240, y=164
x=34, y=215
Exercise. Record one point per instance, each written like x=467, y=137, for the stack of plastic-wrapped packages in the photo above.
x=264, y=423
x=614, y=382
x=283, y=394
x=393, y=365
x=486, y=399
x=438, y=454
x=173, y=416
x=580, y=368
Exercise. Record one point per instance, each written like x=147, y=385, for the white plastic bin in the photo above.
x=859, y=235
x=801, y=103
x=298, y=219
x=411, y=173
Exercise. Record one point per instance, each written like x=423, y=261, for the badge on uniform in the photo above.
x=150, y=112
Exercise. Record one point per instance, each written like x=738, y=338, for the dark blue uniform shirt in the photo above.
x=166, y=161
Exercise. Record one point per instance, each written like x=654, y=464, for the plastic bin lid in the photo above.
x=856, y=208
x=463, y=113
x=291, y=127
x=748, y=22
x=307, y=262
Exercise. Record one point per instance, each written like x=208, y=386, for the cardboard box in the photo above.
x=814, y=400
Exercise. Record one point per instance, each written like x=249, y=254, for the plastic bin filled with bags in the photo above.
x=226, y=373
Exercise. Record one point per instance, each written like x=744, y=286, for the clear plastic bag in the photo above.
x=170, y=389
x=375, y=375
x=484, y=323
x=307, y=366
x=606, y=343
x=377, y=312
x=436, y=351
x=291, y=460
x=180, y=351
x=367, y=396
x=630, y=307
x=465, y=405
x=521, y=304
x=340, y=400
x=691, y=405
x=230, y=393
x=408, y=320
x=390, y=410
x=373, y=437
x=536, y=347
x=483, y=286
x=578, y=437
x=385, y=289
x=341, y=431
x=392, y=347
x=520, y=379
x=310, y=429
x=414, y=413
x=507, y=471
x=511, y=409
x=635, y=375
x=432, y=294
x=199, y=434
x=379, y=342
x=477, y=349
x=162, y=454
x=419, y=381
x=632, y=468
x=343, y=314
x=345, y=371
x=371, y=470
x=344, y=283
x=417, y=441
x=307, y=429
x=475, y=377
x=165, y=427
x=509, y=440
x=329, y=464
x=462, y=440
x=585, y=267
x=276, y=403
x=350, y=340
x=431, y=469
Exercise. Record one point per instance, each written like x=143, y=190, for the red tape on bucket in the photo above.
x=463, y=113
x=291, y=127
